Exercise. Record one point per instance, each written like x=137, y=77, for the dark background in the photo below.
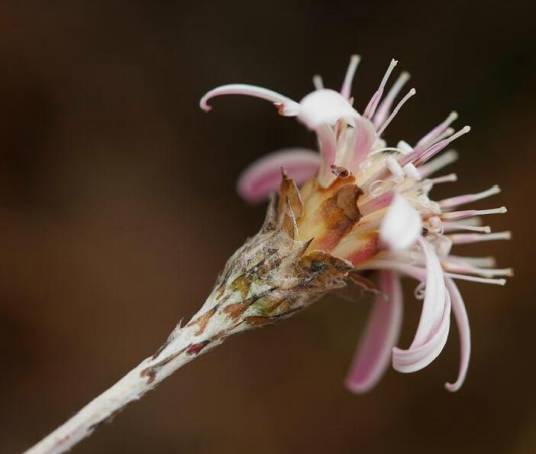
x=118, y=209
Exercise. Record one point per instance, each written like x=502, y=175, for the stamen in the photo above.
x=487, y=262
x=508, y=272
x=456, y=215
x=447, y=132
x=395, y=110
x=481, y=280
x=452, y=226
x=486, y=272
x=434, y=133
x=450, y=178
x=468, y=198
x=438, y=163
x=346, y=88
x=385, y=106
x=376, y=97
x=419, y=156
x=286, y=106
x=471, y=221
x=416, y=272
x=318, y=82
x=465, y=238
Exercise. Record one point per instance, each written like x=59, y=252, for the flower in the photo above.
x=369, y=204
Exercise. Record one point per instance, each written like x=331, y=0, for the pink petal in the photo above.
x=434, y=323
x=401, y=226
x=286, y=106
x=462, y=322
x=377, y=203
x=263, y=177
x=327, y=144
x=364, y=138
x=374, y=350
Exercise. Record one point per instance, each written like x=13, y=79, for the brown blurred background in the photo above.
x=118, y=209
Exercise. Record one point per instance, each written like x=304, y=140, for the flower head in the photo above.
x=368, y=204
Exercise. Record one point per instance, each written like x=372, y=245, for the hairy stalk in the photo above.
x=272, y=276
x=184, y=347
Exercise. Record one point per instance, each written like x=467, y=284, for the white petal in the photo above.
x=434, y=323
x=401, y=227
x=434, y=297
x=325, y=107
x=417, y=358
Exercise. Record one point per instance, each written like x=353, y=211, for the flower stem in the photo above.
x=184, y=345
x=269, y=278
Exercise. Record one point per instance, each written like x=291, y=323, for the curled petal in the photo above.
x=462, y=321
x=264, y=176
x=401, y=226
x=374, y=351
x=417, y=358
x=286, y=106
x=434, y=323
x=325, y=106
x=434, y=297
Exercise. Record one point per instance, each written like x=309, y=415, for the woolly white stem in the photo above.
x=184, y=346
x=269, y=278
